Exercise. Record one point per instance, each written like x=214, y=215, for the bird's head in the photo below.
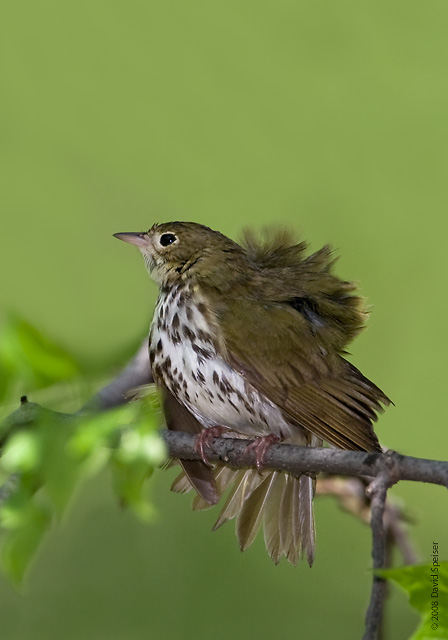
x=186, y=251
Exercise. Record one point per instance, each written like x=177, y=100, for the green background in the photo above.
x=329, y=117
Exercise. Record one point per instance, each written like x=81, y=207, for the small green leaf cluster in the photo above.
x=427, y=588
x=46, y=455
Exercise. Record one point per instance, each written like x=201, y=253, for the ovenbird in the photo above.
x=250, y=337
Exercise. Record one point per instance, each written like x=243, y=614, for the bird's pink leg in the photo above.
x=205, y=438
x=261, y=445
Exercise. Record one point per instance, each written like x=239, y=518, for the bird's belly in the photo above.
x=216, y=394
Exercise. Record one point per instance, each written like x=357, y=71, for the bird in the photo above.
x=249, y=340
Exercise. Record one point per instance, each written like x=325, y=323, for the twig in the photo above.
x=297, y=460
x=378, y=492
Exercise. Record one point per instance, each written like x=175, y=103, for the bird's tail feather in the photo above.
x=282, y=503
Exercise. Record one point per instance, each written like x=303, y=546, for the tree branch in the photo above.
x=296, y=459
x=378, y=492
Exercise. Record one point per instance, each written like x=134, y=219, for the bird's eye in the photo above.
x=167, y=238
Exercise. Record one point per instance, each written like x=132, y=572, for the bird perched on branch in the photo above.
x=249, y=340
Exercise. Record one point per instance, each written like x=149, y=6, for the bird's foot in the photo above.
x=205, y=438
x=261, y=445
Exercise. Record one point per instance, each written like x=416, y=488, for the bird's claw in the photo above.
x=260, y=446
x=204, y=439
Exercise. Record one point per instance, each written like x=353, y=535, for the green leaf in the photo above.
x=129, y=481
x=60, y=470
x=50, y=453
x=29, y=359
x=102, y=429
x=22, y=452
x=21, y=543
x=24, y=520
x=18, y=508
x=427, y=588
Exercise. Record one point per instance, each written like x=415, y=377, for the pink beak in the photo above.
x=138, y=239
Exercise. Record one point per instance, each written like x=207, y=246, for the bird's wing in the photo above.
x=273, y=346
x=178, y=418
